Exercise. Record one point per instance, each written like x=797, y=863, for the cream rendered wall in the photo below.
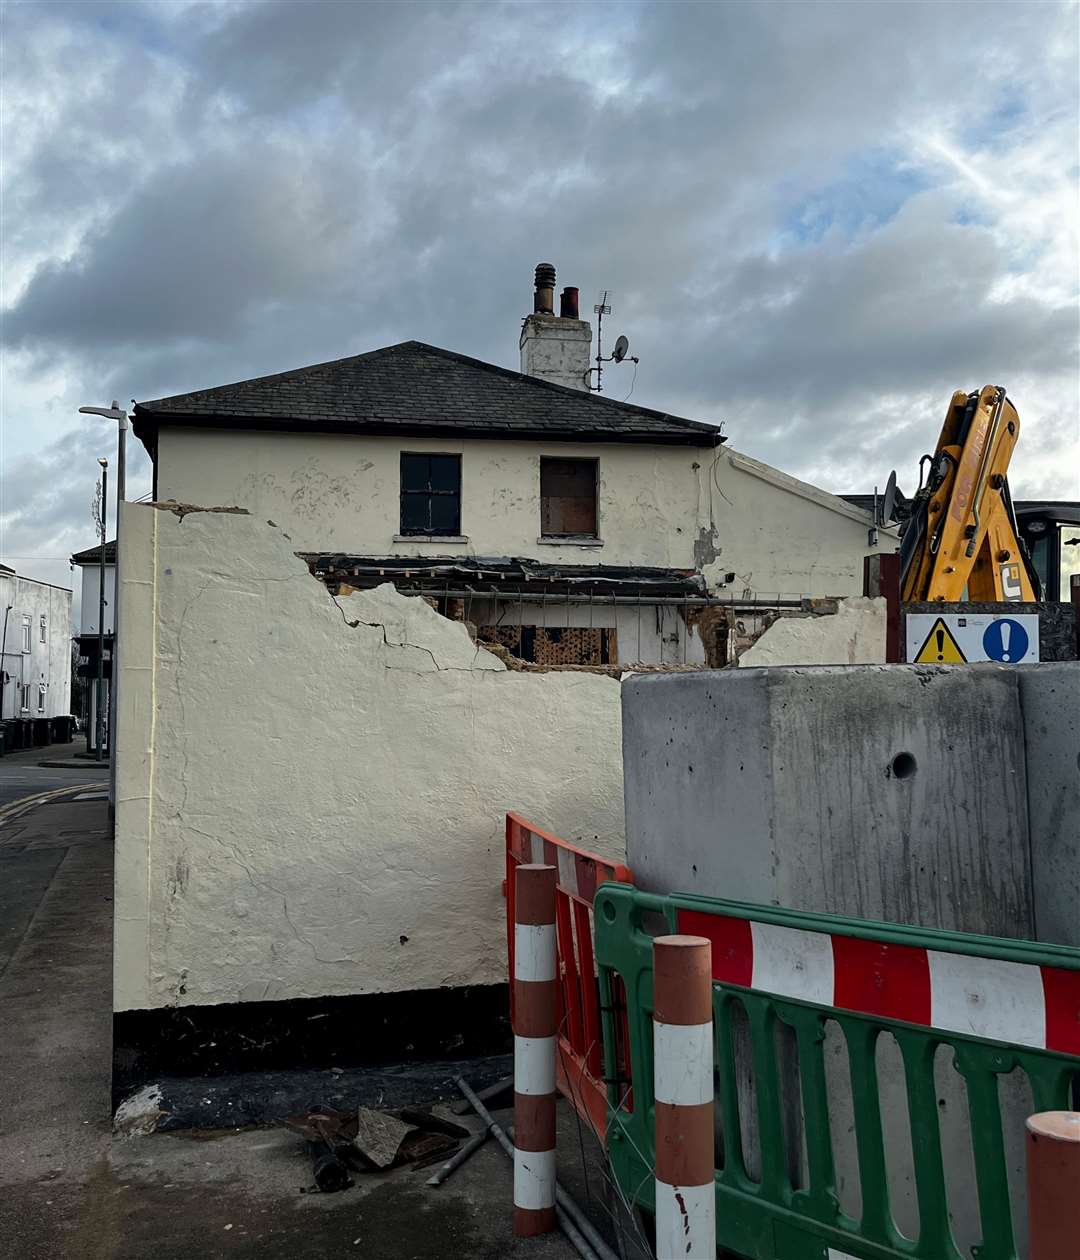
x=682, y=507
x=310, y=791
x=853, y=635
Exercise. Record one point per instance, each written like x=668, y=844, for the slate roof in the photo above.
x=92, y=555
x=413, y=388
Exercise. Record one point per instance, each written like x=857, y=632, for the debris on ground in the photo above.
x=138, y=1114
x=368, y=1141
x=379, y=1136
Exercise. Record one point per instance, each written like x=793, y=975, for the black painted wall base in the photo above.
x=309, y=1034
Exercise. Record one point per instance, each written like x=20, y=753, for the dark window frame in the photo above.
x=594, y=533
x=430, y=493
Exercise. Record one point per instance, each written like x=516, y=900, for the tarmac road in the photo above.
x=21, y=777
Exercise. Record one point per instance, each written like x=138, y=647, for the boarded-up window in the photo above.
x=568, y=498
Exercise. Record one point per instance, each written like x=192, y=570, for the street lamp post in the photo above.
x=99, y=708
x=117, y=413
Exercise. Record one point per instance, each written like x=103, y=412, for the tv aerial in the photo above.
x=622, y=346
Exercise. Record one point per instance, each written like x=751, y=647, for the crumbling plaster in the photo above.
x=853, y=635
x=684, y=507
x=311, y=789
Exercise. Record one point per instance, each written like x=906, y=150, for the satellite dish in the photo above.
x=888, y=503
x=621, y=347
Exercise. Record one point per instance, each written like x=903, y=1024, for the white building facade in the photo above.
x=89, y=563
x=515, y=500
x=35, y=639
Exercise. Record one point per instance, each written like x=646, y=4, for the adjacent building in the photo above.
x=35, y=647
x=566, y=526
x=313, y=766
x=89, y=642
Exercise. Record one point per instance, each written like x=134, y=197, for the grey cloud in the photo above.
x=311, y=180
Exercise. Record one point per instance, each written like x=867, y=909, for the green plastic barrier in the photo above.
x=1000, y=1004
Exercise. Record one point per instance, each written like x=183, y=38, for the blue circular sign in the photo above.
x=1006, y=641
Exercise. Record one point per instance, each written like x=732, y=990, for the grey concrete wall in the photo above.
x=1050, y=701
x=781, y=786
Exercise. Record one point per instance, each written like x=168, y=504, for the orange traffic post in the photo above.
x=1053, y=1184
x=683, y=1079
x=534, y=1050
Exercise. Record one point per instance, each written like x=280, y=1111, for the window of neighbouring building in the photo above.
x=568, y=498
x=24, y=697
x=430, y=494
x=41, y=698
x=44, y=629
x=26, y=637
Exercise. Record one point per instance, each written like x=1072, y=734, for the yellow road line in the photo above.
x=16, y=808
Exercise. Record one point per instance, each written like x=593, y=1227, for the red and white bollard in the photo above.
x=683, y=1087
x=1053, y=1184
x=534, y=1050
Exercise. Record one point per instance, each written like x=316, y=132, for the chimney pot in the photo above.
x=544, y=298
x=568, y=303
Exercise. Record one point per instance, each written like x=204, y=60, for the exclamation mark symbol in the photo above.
x=941, y=645
x=1006, y=632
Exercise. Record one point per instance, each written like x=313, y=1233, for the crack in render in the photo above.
x=378, y=625
x=262, y=886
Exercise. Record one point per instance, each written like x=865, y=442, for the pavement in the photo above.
x=70, y=1187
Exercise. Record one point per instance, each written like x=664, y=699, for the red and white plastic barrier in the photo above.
x=534, y=1050
x=683, y=1084
x=1053, y=1184
x=1016, y=1003
x=579, y=1067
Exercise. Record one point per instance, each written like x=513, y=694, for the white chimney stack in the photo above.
x=556, y=348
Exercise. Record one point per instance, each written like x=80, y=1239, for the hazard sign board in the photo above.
x=957, y=638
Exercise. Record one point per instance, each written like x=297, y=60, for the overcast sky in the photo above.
x=817, y=220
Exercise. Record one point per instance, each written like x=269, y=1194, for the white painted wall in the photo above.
x=88, y=613
x=334, y=492
x=853, y=635
x=296, y=793
x=46, y=664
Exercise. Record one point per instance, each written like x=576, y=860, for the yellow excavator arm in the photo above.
x=959, y=539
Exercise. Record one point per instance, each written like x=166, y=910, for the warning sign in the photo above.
x=939, y=647
x=959, y=638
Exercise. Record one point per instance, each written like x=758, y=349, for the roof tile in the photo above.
x=414, y=388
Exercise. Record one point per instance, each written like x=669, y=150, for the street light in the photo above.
x=117, y=413
x=99, y=714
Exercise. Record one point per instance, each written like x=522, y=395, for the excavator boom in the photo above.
x=960, y=540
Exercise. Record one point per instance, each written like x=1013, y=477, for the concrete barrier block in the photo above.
x=1050, y=701
x=893, y=792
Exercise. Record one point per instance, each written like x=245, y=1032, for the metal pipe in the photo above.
x=471, y=1147
x=566, y=1209
x=99, y=724
x=677, y=601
